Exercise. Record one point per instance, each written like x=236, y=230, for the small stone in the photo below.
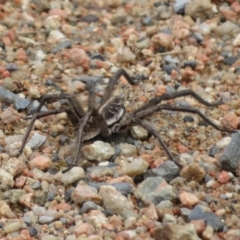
x=6, y=180
x=88, y=206
x=12, y=227
x=14, y=195
x=36, y=141
x=98, y=151
x=45, y=219
x=41, y=162
x=13, y=166
x=193, y=171
x=5, y=211
x=26, y=200
x=139, y=132
x=115, y=202
x=230, y=159
x=163, y=39
x=222, y=143
x=130, y=222
x=154, y=190
x=188, y=199
x=136, y=167
x=72, y=175
x=33, y=231
x=83, y=193
x=79, y=58
x=223, y=177
x=20, y=181
x=167, y=170
x=128, y=150
x=58, y=225
x=176, y=231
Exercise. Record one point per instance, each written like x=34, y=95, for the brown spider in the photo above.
x=111, y=116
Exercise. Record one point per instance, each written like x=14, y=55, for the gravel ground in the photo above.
x=123, y=187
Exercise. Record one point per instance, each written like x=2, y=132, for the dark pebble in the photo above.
x=213, y=151
x=36, y=185
x=64, y=139
x=12, y=67
x=168, y=170
x=50, y=196
x=188, y=119
x=1, y=225
x=198, y=37
x=98, y=56
x=69, y=160
x=157, y=4
x=147, y=20
x=33, y=107
x=124, y=188
x=207, y=178
x=61, y=46
x=49, y=82
x=89, y=18
x=191, y=64
x=210, y=218
x=231, y=60
x=64, y=220
x=237, y=70
x=230, y=158
x=67, y=195
x=169, y=68
x=32, y=231
x=88, y=206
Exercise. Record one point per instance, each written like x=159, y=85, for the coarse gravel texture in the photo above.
x=123, y=187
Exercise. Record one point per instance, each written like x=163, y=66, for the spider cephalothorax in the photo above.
x=111, y=117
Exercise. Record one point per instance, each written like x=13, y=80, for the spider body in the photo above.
x=111, y=117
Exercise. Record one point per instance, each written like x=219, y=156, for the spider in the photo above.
x=111, y=116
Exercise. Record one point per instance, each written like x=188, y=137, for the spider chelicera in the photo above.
x=111, y=117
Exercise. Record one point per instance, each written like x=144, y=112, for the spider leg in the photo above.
x=169, y=96
x=193, y=110
x=113, y=81
x=75, y=105
x=91, y=100
x=34, y=118
x=79, y=139
x=146, y=125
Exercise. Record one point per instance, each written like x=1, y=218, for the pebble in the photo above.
x=188, y=199
x=12, y=227
x=40, y=162
x=138, y=132
x=83, y=193
x=136, y=167
x=6, y=180
x=72, y=175
x=115, y=202
x=168, y=170
x=153, y=190
x=36, y=141
x=229, y=160
x=210, y=218
x=98, y=151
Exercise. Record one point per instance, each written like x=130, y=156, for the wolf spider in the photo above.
x=111, y=116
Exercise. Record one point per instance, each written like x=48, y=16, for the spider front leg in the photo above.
x=195, y=111
x=91, y=100
x=169, y=96
x=109, y=89
x=30, y=126
x=75, y=106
